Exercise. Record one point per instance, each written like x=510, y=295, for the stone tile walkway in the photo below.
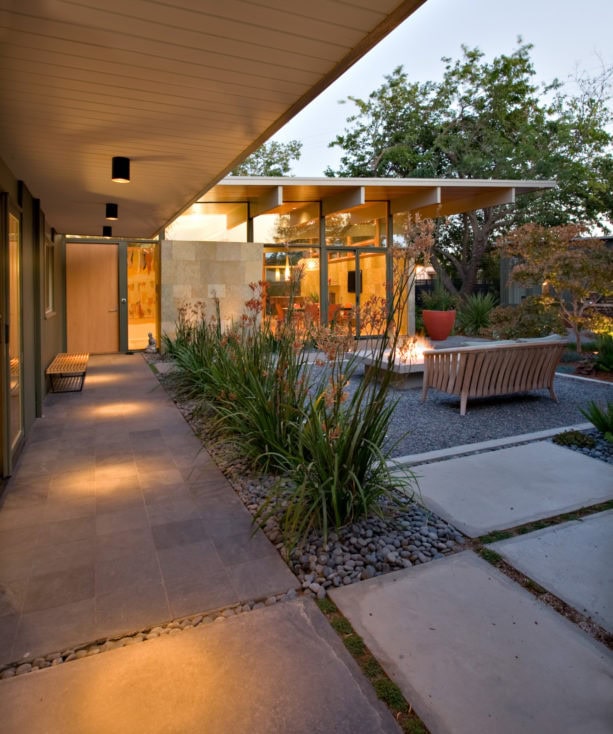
x=117, y=519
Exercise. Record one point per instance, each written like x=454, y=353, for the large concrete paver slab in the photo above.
x=502, y=489
x=573, y=560
x=474, y=652
x=280, y=669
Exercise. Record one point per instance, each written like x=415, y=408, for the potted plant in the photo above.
x=438, y=313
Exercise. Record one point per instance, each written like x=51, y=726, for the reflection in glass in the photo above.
x=143, y=288
x=14, y=320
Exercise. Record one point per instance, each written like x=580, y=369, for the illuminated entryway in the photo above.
x=112, y=295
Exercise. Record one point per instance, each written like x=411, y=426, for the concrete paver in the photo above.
x=509, y=487
x=474, y=652
x=275, y=670
x=572, y=560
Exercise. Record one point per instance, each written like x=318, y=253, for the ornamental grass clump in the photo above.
x=341, y=469
x=259, y=383
x=298, y=420
x=194, y=348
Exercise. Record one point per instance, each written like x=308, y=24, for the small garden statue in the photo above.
x=152, y=345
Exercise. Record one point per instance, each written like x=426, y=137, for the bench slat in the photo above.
x=487, y=370
x=67, y=372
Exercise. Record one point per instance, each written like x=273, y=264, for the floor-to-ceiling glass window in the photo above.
x=14, y=330
x=357, y=266
x=143, y=290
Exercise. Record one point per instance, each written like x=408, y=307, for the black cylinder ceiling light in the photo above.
x=107, y=231
x=112, y=211
x=121, y=169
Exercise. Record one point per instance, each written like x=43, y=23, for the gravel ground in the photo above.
x=418, y=427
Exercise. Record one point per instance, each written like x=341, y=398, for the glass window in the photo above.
x=364, y=226
x=284, y=267
x=143, y=287
x=14, y=321
x=49, y=278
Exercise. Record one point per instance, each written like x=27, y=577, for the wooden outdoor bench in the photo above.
x=496, y=368
x=67, y=372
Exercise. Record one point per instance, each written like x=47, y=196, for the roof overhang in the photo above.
x=309, y=196
x=185, y=90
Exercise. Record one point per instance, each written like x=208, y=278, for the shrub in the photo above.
x=474, y=313
x=598, y=323
x=440, y=299
x=601, y=418
x=535, y=316
x=604, y=353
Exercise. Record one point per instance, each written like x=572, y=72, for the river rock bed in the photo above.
x=408, y=534
x=602, y=449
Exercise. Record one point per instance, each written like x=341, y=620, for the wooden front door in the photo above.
x=92, y=298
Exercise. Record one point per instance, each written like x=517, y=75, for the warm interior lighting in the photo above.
x=287, y=268
x=278, y=274
x=121, y=169
x=112, y=211
x=107, y=230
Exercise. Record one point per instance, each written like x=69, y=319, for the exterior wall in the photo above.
x=199, y=271
x=42, y=335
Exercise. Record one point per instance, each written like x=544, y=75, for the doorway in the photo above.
x=112, y=295
x=92, y=298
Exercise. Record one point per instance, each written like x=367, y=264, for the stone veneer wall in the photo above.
x=197, y=271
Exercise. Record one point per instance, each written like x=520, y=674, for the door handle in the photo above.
x=113, y=310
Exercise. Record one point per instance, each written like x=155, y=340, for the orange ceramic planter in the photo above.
x=438, y=324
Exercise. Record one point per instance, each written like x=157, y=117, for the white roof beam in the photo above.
x=267, y=202
x=481, y=200
x=417, y=200
x=237, y=215
x=343, y=201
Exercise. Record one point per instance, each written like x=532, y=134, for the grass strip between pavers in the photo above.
x=547, y=522
x=386, y=690
x=584, y=622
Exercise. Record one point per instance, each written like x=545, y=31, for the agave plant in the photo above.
x=474, y=313
x=601, y=418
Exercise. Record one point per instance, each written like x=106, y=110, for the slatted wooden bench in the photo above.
x=492, y=369
x=67, y=372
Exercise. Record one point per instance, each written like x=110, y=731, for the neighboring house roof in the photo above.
x=429, y=197
x=185, y=90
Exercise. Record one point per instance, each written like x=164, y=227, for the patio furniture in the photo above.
x=496, y=368
x=67, y=372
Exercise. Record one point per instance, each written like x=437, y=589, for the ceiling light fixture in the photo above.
x=107, y=231
x=121, y=169
x=112, y=211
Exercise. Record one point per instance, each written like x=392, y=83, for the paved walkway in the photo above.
x=117, y=520
x=472, y=650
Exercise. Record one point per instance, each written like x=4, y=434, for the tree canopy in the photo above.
x=488, y=120
x=271, y=159
x=573, y=268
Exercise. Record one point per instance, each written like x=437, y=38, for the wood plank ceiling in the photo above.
x=184, y=88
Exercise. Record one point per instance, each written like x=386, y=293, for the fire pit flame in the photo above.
x=411, y=350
